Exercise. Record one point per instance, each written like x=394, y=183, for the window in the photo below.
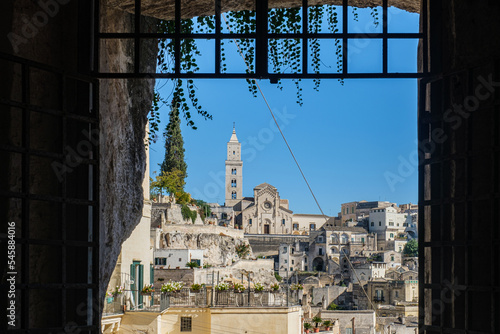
x=233, y=183
x=233, y=195
x=312, y=227
x=292, y=250
x=352, y=239
x=291, y=268
x=305, y=260
x=282, y=222
x=305, y=268
x=352, y=209
x=372, y=224
x=320, y=238
x=295, y=226
x=249, y=222
x=160, y=261
x=396, y=294
x=392, y=235
x=286, y=261
x=293, y=262
x=234, y=152
x=180, y=259
x=379, y=223
x=233, y=171
x=186, y=324
x=320, y=251
x=284, y=251
x=397, y=224
x=363, y=240
x=392, y=258
x=391, y=223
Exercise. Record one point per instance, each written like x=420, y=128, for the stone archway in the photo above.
x=318, y=264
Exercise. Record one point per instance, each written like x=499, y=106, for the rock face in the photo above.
x=124, y=105
x=170, y=213
x=219, y=249
x=190, y=8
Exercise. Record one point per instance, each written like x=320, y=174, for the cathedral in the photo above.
x=266, y=212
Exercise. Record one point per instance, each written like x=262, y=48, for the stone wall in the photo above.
x=267, y=245
x=170, y=213
x=261, y=270
x=331, y=293
x=178, y=275
x=364, y=320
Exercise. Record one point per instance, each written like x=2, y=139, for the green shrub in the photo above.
x=278, y=277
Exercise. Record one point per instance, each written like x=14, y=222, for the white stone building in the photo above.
x=387, y=223
x=303, y=223
x=178, y=258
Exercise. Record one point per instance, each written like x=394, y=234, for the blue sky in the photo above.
x=353, y=142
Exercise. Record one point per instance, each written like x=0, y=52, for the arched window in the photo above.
x=233, y=195
x=233, y=183
x=392, y=235
x=233, y=171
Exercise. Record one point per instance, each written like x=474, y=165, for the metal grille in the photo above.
x=52, y=195
x=262, y=37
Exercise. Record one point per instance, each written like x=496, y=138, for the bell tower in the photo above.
x=234, y=171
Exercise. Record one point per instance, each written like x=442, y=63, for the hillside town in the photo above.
x=252, y=264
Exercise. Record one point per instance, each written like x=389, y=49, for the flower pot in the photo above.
x=316, y=330
x=306, y=331
x=196, y=291
x=327, y=328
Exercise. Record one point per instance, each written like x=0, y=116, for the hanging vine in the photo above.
x=284, y=54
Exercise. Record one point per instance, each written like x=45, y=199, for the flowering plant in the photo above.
x=297, y=286
x=196, y=287
x=275, y=287
x=258, y=287
x=171, y=286
x=109, y=294
x=117, y=291
x=148, y=288
x=238, y=287
x=222, y=286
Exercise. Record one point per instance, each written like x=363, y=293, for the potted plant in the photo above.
x=192, y=264
x=196, y=287
x=317, y=320
x=117, y=291
x=327, y=324
x=297, y=286
x=238, y=288
x=147, y=290
x=258, y=288
x=307, y=327
x=222, y=286
x=171, y=287
x=275, y=287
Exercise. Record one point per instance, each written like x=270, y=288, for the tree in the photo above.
x=174, y=146
x=411, y=248
x=172, y=182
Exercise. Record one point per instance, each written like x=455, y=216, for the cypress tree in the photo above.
x=174, y=146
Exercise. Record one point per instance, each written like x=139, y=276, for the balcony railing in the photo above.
x=378, y=299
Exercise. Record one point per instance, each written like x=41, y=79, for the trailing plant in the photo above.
x=242, y=250
x=275, y=287
x=171, y=286
x=187, y=213
x=278, y=277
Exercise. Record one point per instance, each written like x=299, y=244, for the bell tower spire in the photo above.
x=234, y=171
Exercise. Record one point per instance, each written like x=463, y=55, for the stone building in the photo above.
x=293, y=257
x=303, y=223
x=389, y=291
x=388, y=223
x=266, y=213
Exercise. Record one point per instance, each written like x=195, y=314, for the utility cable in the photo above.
x=293, y=155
